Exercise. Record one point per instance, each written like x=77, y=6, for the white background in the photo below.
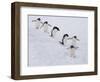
x=5, y=40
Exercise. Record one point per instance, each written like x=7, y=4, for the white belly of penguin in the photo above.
x=54, y=33
x=45, y=28
x=72, y=52
x=65, y=41
x=37, y=24
x=74, y=42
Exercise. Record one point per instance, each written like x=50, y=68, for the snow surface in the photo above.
x=47, y=51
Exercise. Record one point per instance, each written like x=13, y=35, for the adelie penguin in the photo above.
x=38, y=23
x=74, y=40
x=54, y=31
x=45, y=26
x=64, y=39
x=72, y=50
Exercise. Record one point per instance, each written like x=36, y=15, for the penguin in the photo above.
x=54, y=31
x=74, y=40
x=38, y=22
x=72, y=50
x=45, y=26
x=64, y=39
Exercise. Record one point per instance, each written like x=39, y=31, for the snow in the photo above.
x=47, y=51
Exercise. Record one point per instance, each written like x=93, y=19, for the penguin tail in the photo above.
x=61, y=42
x=51, y=35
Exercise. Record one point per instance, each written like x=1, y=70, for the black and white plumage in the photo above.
x=74, y=40
x=72, y=50
x=45, y=26
x=38, y=23
x=64, y=39
x=54, y=31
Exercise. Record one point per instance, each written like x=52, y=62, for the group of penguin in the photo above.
x=45, y=25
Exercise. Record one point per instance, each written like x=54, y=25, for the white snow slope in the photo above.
x=47, y=51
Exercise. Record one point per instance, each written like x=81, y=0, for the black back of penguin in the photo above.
x=54, y=29
x=65, y=35
x=46, y=22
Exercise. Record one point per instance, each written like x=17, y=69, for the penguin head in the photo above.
x=75, y=37
x=71, y=46
x=56, y=28
x=46, y=22
x=38, y=19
